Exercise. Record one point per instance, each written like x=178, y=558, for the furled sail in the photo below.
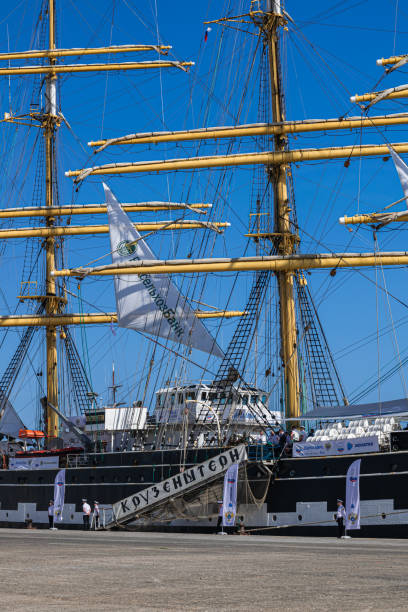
x=10, y=422
x=402, y=170
x=147, y=302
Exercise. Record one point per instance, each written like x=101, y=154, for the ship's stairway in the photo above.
x=187, y=484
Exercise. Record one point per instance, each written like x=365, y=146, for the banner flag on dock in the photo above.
x=59, y=495
x=402, y=170
x=353, y=496
x=229, y=501
x=147, y=302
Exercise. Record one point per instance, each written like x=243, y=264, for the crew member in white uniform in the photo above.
x=86, y=512
x=340, y=518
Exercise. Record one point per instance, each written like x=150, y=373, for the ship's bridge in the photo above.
x=206, y=401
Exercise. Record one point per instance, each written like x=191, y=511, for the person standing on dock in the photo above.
x=340, y=518
x=96, y=515
x=86, y=511
x=50, y=514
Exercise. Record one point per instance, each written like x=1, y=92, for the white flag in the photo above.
x=147, y=302
x=229, y=502
x=402, y=170
x=59, y=495
x=353, y=496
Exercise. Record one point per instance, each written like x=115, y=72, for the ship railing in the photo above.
x=262, y=451
x=105, y=516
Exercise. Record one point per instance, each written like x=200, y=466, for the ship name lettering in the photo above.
x=177, y=482
x=212, y=466
x=145, y=496
x=155, y=492
x=136, y=501
x=234, y=455
x=166, y=486
x=189, y=476
x=223, y=461
x=200, y=468
x=124, y=506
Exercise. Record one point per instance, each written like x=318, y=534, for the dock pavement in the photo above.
x=121, y=571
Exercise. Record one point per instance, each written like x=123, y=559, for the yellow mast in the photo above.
x=284, y=239
x=51, y=303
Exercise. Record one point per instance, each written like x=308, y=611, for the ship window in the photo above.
x=245, y=400
x=299, y=517
x=190, y=395
x=254, y=399
x=172, y=398
x=204, y=395
x=158, y=399
x=264, y=399
x=212, y=396
x=229, y=400
x=222, y=398
x=180, y=398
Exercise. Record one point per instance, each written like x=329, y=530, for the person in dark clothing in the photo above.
x=219, y=521
x=51, y=514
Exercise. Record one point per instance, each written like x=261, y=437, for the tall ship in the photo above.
x=193, y=327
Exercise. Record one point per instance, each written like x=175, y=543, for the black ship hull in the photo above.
x=301, y=497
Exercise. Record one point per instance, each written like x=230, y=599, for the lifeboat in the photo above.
x=30, y=434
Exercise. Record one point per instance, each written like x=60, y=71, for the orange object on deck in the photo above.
x=31, y=433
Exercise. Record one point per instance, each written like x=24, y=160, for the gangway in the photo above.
x=193, y=478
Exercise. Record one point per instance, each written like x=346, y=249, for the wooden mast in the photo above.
x=284, y=239
x=49, y=125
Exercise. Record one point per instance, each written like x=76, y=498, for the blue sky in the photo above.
x=328, y=54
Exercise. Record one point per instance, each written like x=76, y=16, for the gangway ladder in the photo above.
x=191, y=479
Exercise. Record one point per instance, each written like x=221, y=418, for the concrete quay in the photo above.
x=121, y=571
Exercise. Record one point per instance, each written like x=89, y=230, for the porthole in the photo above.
x=142, y=479
x=383, y=515
x=129, y=479
x=259, y=475
x=292, y=473
x=27, y=515
x=72, y=517
x=300, y=517
x=394, y=467
x=274, y=517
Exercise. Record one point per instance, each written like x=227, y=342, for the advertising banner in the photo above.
x=229, y=502
x=59, y=495
x=323, y=448
x=353, y=496
x=33, y=463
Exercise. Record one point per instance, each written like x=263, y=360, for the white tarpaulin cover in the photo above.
x=10, y=422
x=353, y=496
x=336, y=447
x=123, y=418
x=147, y=302
x=402, y=170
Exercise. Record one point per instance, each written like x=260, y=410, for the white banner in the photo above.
x=229, y=501
x=353, y=496
x=33, y=463
x=147, y=302
x=59, y=495
x=191, y=477
x=322, y=448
